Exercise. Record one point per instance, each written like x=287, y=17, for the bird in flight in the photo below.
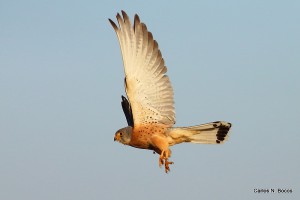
x=149, y=109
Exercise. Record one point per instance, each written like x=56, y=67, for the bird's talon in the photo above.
x=167, y=163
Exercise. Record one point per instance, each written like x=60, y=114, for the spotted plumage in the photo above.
x=149, y=109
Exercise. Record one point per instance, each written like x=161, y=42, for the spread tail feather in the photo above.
x=210, y=133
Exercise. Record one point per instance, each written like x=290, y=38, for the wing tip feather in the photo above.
x=125, y=16
x=113, y=24
x=120, y=19
x=144, y=27
x=137, y=18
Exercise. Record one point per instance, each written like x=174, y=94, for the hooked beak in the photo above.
x=117, y=137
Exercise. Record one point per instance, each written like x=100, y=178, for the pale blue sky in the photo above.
x=61, y=79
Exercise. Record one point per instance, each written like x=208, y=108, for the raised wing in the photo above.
x=148, y=89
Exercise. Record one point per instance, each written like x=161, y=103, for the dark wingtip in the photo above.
x=137, y=19
x=118, y=16
x=113, y=24
x=127, y=111
x=125, y=16
x=144, y=27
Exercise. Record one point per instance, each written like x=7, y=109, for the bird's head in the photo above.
x=123, y=135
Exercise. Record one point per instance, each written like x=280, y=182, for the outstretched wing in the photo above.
x=147, y=86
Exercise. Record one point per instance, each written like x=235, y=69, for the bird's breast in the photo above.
x=141, y=136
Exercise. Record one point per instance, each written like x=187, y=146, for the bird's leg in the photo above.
x=162, y=148
x=161, y=159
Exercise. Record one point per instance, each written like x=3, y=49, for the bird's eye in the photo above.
x=120, y=134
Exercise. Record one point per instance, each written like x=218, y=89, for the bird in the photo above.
x=149, y=106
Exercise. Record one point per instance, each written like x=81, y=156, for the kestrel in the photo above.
x=149, y=110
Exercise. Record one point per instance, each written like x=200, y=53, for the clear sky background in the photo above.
x=61, y=81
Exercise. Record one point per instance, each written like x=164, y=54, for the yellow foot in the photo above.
x=163, y=159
